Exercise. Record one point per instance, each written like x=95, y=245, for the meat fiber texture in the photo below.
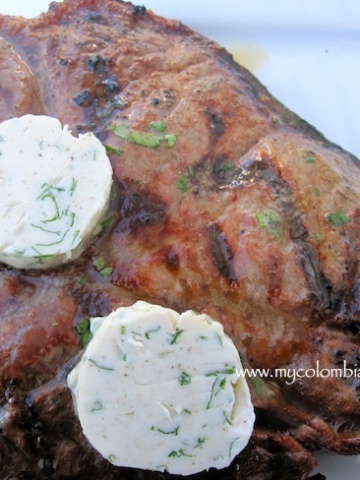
x=243, y=211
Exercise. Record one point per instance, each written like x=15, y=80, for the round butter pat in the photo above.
x=55, y=190
x=161, y=391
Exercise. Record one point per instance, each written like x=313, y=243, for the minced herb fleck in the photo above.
x=113, y=150
x=145, y=139
x=178, y=454
x=184, y=379
x=157, y=126
x=183, y=183
x=338, y=218
x=270, y=221
x=83, y=329
x=176, y=335
x=317, y=192
x=309, y=158
x=99, y=264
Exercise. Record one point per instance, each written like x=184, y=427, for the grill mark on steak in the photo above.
x=319, y=286
x=223, y=171
x=221, y=252
x=137, y=209
x=327, y=302
x=260, y=169
x=216, y=123
x=354, y=307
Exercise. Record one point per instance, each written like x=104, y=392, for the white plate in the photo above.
x=308, y=55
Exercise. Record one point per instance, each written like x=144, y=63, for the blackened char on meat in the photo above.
x=248, y=214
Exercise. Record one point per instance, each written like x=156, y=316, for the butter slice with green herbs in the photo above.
x=161, y=391
x=55, y=191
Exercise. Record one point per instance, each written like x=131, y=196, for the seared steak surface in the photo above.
x=246, y=213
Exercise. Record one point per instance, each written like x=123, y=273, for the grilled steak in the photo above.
x=244, y=212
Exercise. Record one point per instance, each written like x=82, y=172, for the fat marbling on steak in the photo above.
x=245, y=212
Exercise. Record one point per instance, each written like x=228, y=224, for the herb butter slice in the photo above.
x=55, y=190
x=161, y=391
